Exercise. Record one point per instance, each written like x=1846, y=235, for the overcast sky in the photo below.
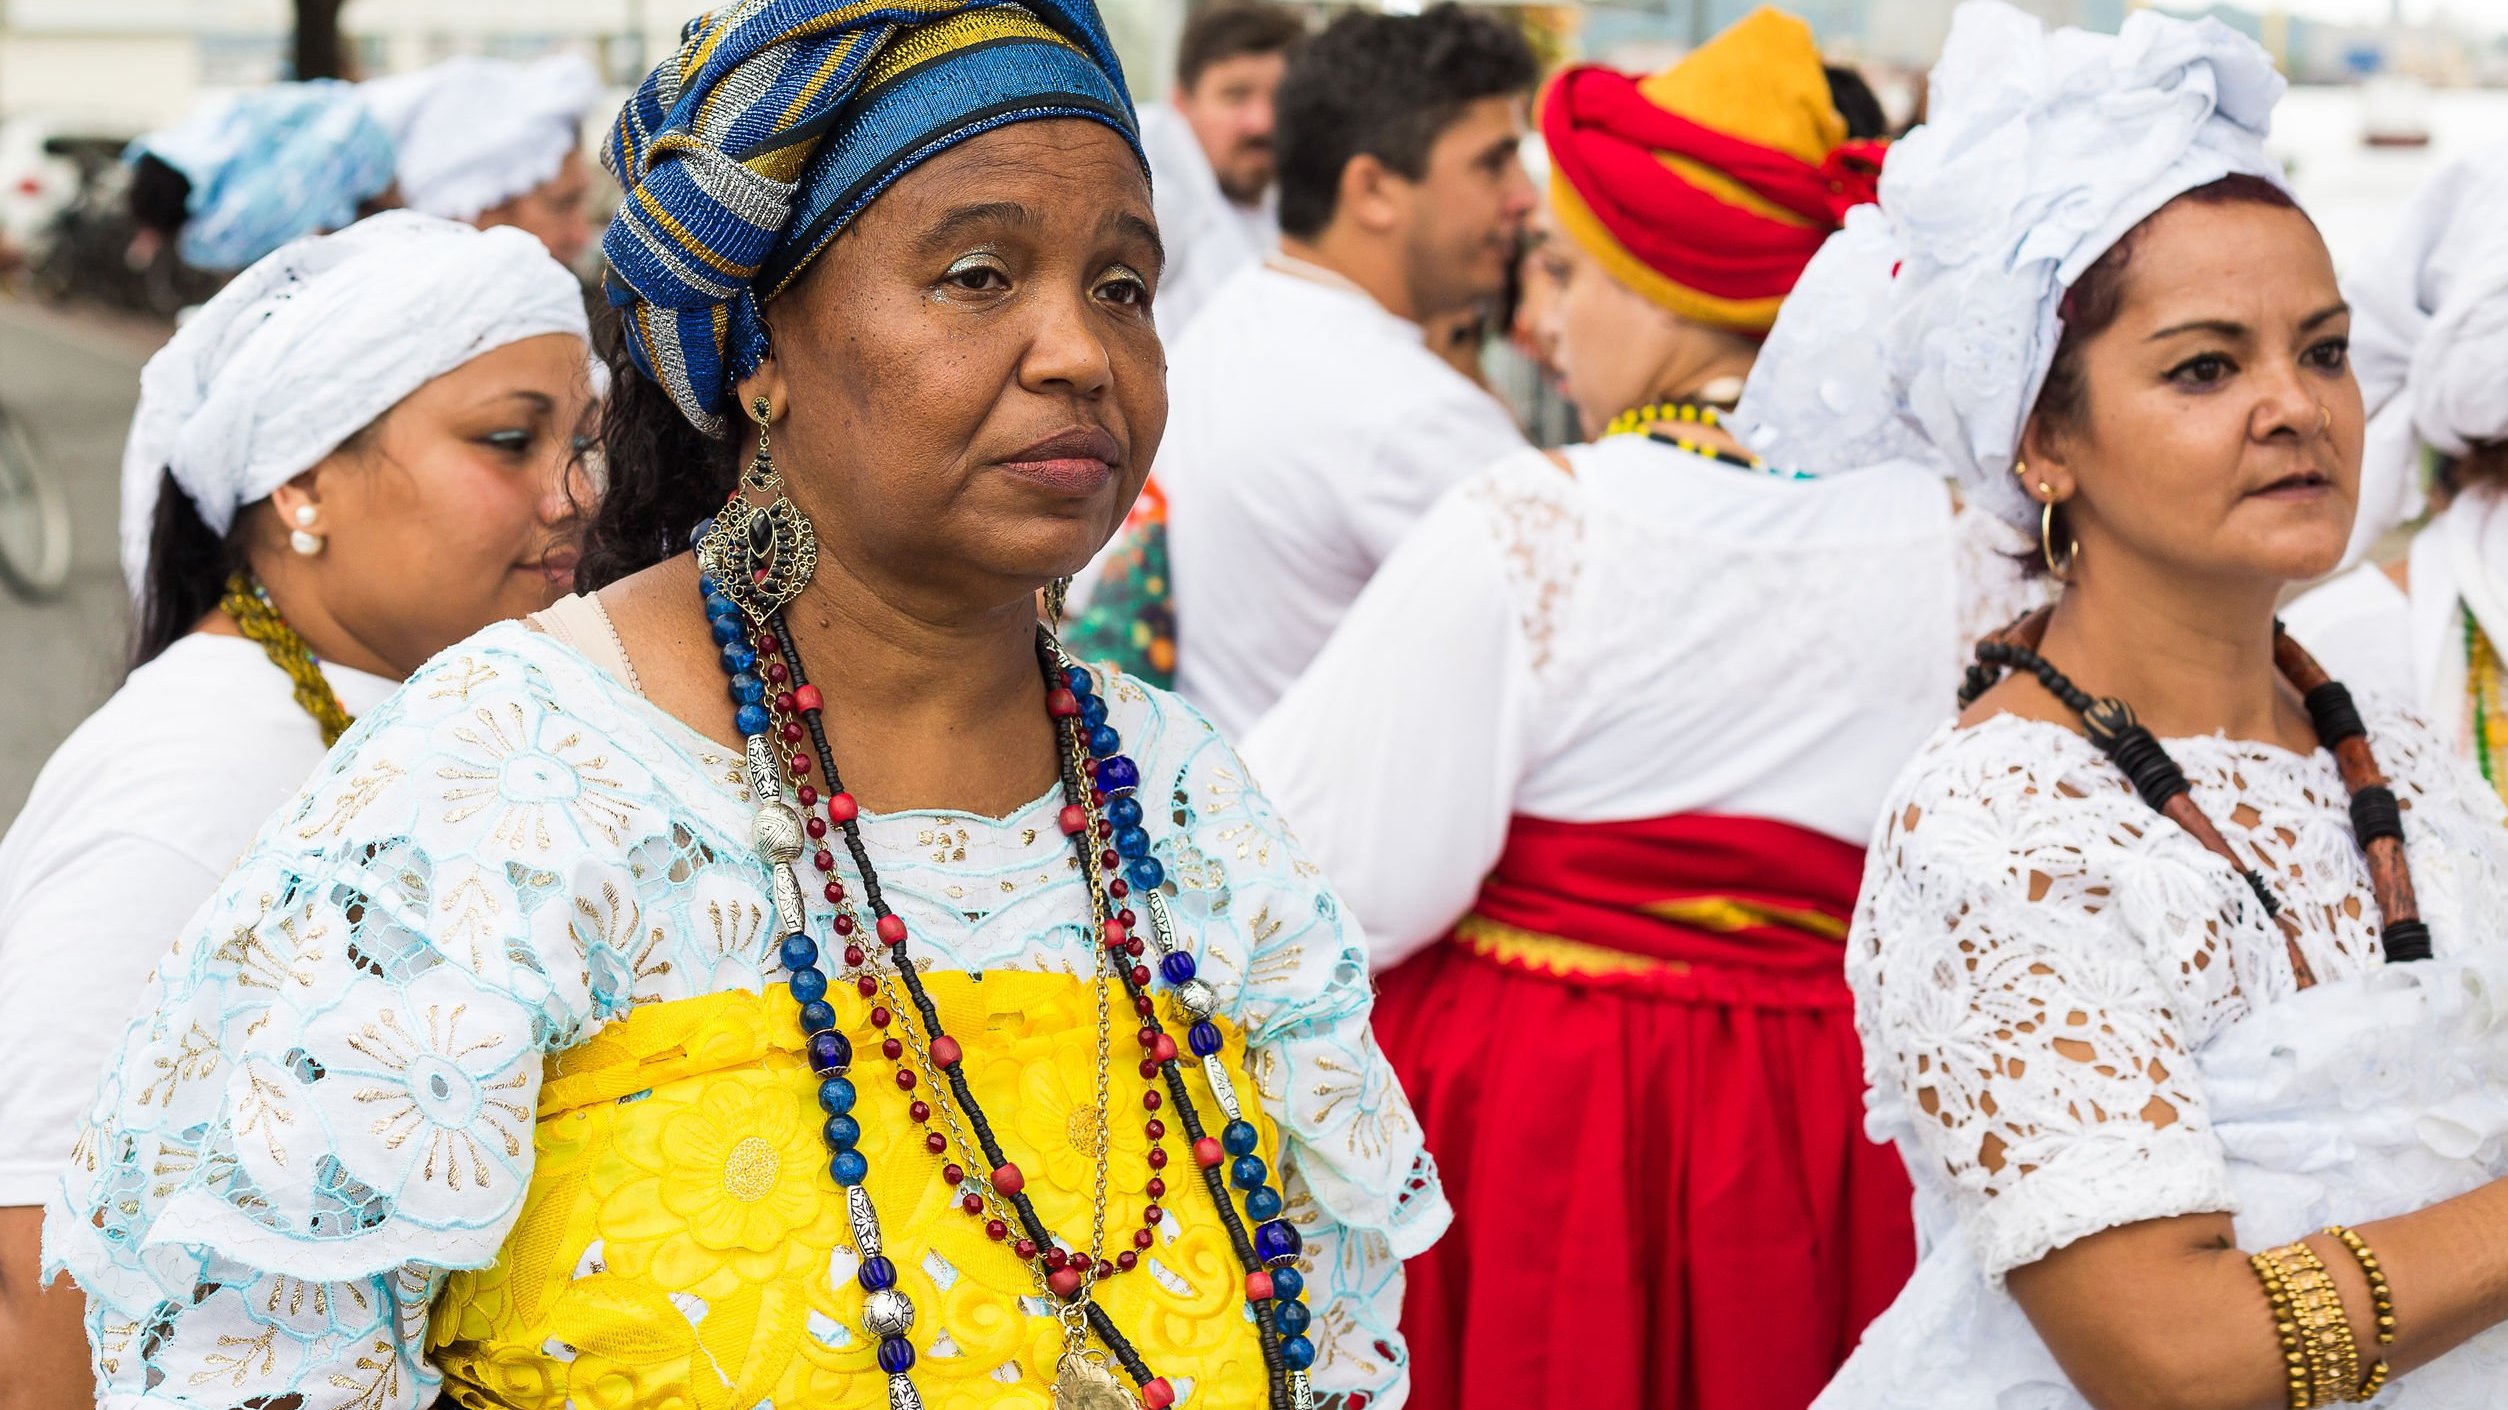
x=2489, y=15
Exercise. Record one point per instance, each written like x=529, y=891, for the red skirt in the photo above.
x=1663, y=1195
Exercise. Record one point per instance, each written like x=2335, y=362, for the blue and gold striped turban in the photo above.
x=777, y=121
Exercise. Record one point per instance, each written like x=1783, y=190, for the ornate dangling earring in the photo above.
x=2062, y=573
x=760, y=556
x=301, y=538
x=1057, y=594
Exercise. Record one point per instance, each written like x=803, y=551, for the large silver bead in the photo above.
x=1198, y=998
x=887, y=1313
x=776, y=833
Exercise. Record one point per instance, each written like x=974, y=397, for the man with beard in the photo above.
x=1211, y=154
x=1310, y=424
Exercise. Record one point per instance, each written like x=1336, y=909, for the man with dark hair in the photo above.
x=1211, y=153
x=1310, y=423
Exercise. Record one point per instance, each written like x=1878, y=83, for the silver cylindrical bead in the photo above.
x=901, y=1394
x=1223, y=1087
x=1162, y=926
x=866, y=1221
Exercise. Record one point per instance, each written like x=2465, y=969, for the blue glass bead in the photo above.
x=738, y=656
x=1287, y=1284
x=1239, y=1138
x=1176, y=965
x=721, y=608
x=1291, y=1318
x=727, y=633
x=836, y=1096
x=750, y=719
x=1297, y=1353
x=746, y=689
x=798, y=950
x=1262, y=1204
x=817, y=1017
x=1077, y=677
x=808, y=985
x=697, y=536
x=1146, y=874
x=830, y=1054
x=1092, y=711
x=1277, y=1245
x=1117, y=773
x=1132, y=842
x=1248, y=1172
x=1124, y=812
x=848, y=1167
x=897, y=1355
x=1104, y=741
x=877, y=1273
x=843, y=1133
x=1203, y=1038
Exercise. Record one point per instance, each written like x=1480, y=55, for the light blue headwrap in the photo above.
x=271, y=165
x=777, y=121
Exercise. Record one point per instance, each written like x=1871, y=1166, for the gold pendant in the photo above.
x=1082, y=1382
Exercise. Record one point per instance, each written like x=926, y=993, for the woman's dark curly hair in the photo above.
x=664, y=476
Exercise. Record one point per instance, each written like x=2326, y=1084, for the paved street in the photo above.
x=73, y=378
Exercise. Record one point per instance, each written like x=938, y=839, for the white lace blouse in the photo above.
x=2076, y=1018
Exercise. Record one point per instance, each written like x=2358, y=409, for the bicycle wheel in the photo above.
x=34, y=516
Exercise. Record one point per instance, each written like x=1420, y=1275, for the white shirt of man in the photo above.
x=1308, y=430
x=1208, y=236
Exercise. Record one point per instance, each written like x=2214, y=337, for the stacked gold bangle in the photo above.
x=2320, y=1357
x=2381, y=1298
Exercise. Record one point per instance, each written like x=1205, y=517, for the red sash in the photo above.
x=1695, y=906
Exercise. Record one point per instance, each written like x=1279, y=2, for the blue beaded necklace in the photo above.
x=778, y=714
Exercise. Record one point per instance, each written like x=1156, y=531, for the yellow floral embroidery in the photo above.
x=683, y=1244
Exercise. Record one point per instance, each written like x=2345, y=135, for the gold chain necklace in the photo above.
x=253, y=614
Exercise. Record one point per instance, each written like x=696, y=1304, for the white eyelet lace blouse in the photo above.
x=2076, y=1018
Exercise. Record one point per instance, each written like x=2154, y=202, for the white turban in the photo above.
x=472, y=134
x=2429, y=336
x=314, y=342
x=1923, y=329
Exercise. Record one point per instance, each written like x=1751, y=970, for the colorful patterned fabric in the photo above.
x=270, y=165
x=1130, y=619
x=777, y=121
x=1708, y=187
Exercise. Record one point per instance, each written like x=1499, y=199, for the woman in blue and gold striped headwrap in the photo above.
x=784, y=977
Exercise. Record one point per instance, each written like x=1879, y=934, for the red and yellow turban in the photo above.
x=1709, y=186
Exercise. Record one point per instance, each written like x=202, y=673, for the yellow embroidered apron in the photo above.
x=682, y=1244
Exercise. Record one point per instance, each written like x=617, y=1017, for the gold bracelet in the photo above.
x=2324, y=1324
x=2286, y=1327
x=2381, y=1299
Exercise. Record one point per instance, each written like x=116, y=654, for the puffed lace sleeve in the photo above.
x=2022, y=1032
x=1291, y=964
x=327, y=1100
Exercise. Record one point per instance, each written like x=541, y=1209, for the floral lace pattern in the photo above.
x=327, y=1102
x=2039, y=960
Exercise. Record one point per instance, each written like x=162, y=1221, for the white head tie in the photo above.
x=316, y=340
x=1923, y=329
x=471, y=134
x=2429, y=336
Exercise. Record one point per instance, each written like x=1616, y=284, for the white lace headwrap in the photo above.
x=471, y=134
x=2429, y=336
x=1923, y=329
x=316, y=340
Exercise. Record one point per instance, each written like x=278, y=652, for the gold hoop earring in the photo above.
x=760, y=556
x=2046, y=544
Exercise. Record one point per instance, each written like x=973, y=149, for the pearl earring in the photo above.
x=300, y=539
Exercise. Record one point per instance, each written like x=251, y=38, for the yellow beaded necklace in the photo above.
x=2482, y=698
x=259, y=621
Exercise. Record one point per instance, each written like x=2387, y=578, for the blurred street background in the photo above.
x=2388, y=89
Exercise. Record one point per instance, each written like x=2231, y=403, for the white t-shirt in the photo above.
x=1658, y=633
x=129, y=828
x=1308, y=430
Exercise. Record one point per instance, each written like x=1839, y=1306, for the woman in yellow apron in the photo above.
x=786, y=977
